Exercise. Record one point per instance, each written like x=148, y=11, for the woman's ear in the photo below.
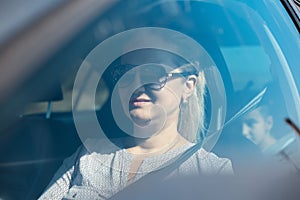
x=190, y=85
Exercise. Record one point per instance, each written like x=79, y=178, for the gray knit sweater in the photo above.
x=99, y=175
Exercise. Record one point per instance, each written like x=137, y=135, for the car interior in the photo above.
x=37, y=126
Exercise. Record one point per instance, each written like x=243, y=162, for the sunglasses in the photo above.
x=153, y=76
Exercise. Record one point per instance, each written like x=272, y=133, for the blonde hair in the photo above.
x=192, y=113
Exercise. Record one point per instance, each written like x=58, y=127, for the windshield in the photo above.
x=229, y=70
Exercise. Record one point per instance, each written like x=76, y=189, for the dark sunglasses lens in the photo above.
x=160, y=83
x=152, y=76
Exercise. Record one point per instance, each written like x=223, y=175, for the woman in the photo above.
x=162, y=97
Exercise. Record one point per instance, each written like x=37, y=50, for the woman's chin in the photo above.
x=140, y=117
x=141, y=121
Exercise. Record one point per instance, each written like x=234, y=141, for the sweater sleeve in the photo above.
x=61, y=181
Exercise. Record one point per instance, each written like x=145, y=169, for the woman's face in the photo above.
x=144, y=100
x=149, y=94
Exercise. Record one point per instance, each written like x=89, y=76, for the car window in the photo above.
x=247, y=51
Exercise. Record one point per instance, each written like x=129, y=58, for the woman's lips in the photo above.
x=139, y=101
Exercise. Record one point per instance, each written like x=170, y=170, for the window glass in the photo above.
x=248, y=52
